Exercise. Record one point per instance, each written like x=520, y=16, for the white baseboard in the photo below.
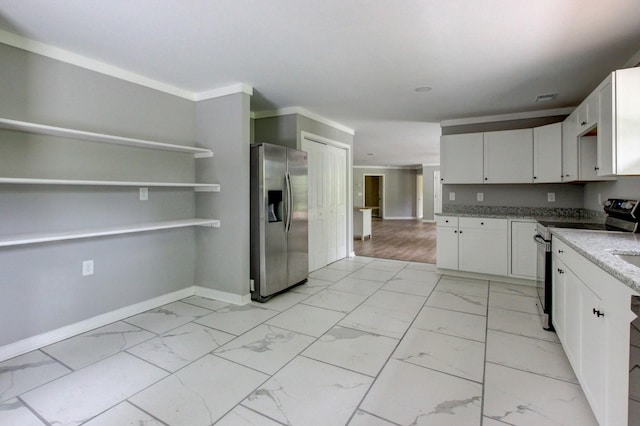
x=41, y=340
x=500, y=278
x=428, y=221
x=222, y=296
x=399, y=217
x=36, y=342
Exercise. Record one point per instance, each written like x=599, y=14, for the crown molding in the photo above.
x=305, y=113
x=507, y=117
x=224, y=91
x=68, y=57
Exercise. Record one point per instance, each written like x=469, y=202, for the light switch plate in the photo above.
x=87, y=267
x=480, y=196
x=452, y=196
x=144, y=194
x=551, y=197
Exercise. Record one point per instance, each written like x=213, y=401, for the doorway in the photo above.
x=437, y=193
x=374, y=194
x=419, y=195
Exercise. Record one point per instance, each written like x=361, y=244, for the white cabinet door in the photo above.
x=508, y=156
x=547, y=153
x=524, y=250
x=461, y=158
x=559, y=298
x=592, y=347
x=570, y=148
x=482, y=245
x=626, y=127
x=447, y=242
x=606, y=151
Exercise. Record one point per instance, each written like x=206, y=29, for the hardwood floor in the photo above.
x=411, y=240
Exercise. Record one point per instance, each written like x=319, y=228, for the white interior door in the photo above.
x=328, y=217
x=316, y=207
x=437, y=193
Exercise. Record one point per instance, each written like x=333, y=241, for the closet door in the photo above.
x=317, y=241
x=327, y=172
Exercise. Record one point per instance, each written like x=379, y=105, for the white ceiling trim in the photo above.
x=224, y=91
x=68, y=57
x=305, y=113
x=507, y=117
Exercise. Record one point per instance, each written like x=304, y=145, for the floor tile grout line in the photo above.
x=576, y=383
x=32, y=410
x=446, y=373
x=373, y=415
x=358, y=407
x=141, y=409
x=484, y=363
x=250, y=409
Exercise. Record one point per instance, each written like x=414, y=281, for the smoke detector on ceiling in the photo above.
x=546, y=97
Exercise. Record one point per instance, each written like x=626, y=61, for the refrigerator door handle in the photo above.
x=289, y=206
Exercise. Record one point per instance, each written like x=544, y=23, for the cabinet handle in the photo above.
x=441, y=179
x=596, y=168
x=597, y=313
x=486, y=178
x=560, y=271
x=446, y=221
x=455, y=232
x=481, y=223
x=535, y=177
x=584, y=123
x=560, y=251
x=459, y=232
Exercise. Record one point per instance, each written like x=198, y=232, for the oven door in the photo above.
x=543, y=280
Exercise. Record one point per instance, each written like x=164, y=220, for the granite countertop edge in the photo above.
x=601, y=247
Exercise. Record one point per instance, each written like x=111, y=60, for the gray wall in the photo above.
x=529, y=195
x=427, y=194
x=41, y=287
x=286, y=130
x=399, y=187
x=624, y=187
x=223, y=255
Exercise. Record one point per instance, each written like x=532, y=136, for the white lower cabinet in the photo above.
x=472, y=244
x=482, y=245
x=592, y=316
x=447, y=242
x=524, y=250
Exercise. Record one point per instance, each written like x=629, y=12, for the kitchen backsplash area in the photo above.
x=517, y=195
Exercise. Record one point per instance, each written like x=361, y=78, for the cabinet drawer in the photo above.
x=483, y=223
x=447, y=221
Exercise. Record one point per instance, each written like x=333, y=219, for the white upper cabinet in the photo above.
x=547, y=153
x=508, y=156
x=461, y=158
x=619, y=123
x=570, y=148
x=587, y=114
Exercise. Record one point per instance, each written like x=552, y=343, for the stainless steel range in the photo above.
x=621, y=217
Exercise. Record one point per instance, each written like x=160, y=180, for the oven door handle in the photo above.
x=539, y=240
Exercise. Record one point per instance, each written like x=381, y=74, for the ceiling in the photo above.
x=355, y=62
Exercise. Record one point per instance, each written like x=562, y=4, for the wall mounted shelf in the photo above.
x=198, y=187
x=43, y=129
x=35, y=238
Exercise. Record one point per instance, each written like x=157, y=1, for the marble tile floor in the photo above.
x=364, y=342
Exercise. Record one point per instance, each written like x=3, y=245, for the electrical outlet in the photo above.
x=87, y=268
x=144, y=194
x=480, y=196
x=452, y=196
x=551, y=197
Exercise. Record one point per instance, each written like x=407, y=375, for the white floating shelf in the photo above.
x=199, y=187
x=42, y=129
x=35, y=238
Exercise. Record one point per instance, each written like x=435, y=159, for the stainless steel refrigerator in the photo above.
x=279, y=220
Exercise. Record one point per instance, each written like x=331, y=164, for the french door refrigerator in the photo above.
x=279, y=219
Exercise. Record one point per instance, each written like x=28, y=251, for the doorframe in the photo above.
x=437, y=190
x=419, y=196
x=311, y=137
x=384, y=195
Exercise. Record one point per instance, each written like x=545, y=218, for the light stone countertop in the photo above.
x=600, y=247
